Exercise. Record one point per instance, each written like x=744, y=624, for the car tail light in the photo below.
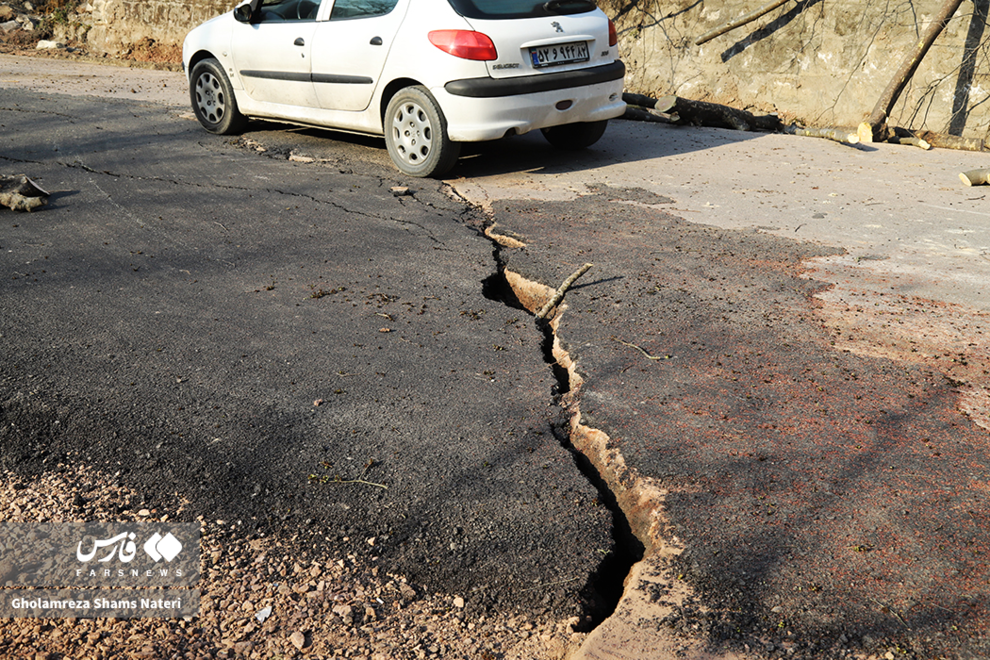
x=613, y=36
x=464, y=44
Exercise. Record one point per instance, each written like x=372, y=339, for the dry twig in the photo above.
x=559, y=295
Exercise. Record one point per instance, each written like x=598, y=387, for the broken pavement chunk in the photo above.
x=21, y=193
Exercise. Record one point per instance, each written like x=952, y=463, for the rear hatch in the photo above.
x=534, y=37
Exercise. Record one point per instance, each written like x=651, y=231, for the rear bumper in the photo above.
x=487, y=88
x=481, y=118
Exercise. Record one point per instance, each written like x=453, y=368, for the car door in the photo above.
x=350, y=48
x=271, y=54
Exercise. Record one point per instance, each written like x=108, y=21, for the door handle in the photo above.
x=376, y=41
x=299, y=42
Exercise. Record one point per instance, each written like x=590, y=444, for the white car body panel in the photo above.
x=349, y=55
x=272, y=65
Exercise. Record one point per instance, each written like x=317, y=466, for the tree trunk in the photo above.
x=701, y=113
x=887, y=100
x=951, y=141
x=834, y=133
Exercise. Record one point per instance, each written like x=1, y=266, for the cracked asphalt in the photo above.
x=287, y=344
x=797, y=430
x=818, y=494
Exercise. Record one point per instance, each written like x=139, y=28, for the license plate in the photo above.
x=559, y=54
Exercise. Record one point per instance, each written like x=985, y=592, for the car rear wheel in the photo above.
x=416, y=134
x=213, y=99
x=575, y=136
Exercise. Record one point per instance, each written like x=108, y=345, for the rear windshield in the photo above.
x=505, y=9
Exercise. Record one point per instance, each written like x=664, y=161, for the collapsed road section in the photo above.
x=793, y=496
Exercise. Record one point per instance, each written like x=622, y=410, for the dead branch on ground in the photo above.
x=834, y=133
x=942, y=141
x=559, y=295
x=639, y=113
x=975, y=177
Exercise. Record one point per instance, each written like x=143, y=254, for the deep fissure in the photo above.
x=601, y=594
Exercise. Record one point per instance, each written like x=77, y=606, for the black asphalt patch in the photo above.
x=827, y=501
x=284, y=344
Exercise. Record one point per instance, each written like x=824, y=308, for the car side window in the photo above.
x=344, y=9
x=277, y=11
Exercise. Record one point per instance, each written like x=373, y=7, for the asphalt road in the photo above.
x=177, y=311
x=811, y=422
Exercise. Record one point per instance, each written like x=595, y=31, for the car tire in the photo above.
x=416, y=134
x=213, y=99
x=575, y=136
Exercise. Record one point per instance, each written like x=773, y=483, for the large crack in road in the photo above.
x=792, y=495
x=604, y=590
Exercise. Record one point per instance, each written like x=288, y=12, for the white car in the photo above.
x=426, y=74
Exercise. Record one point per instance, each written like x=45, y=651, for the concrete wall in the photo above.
x=824, y=63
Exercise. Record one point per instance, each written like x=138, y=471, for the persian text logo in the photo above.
x=157, y=547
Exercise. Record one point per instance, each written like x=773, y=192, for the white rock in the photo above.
x=49, y=45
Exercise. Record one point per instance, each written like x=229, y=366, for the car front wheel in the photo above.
x=575, y=136
x=213, y=99
x=416, y=134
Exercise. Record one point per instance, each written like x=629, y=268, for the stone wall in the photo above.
x=117, y=25
x=824, y=63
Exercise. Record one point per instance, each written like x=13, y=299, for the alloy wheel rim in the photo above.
x=210, y=97
x=412, y=133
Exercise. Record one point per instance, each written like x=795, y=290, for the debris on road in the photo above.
x=837, y=134
x=685, y=112
x=677, y=110
x=979, y=177
x=559, y=295
x=21, y=193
